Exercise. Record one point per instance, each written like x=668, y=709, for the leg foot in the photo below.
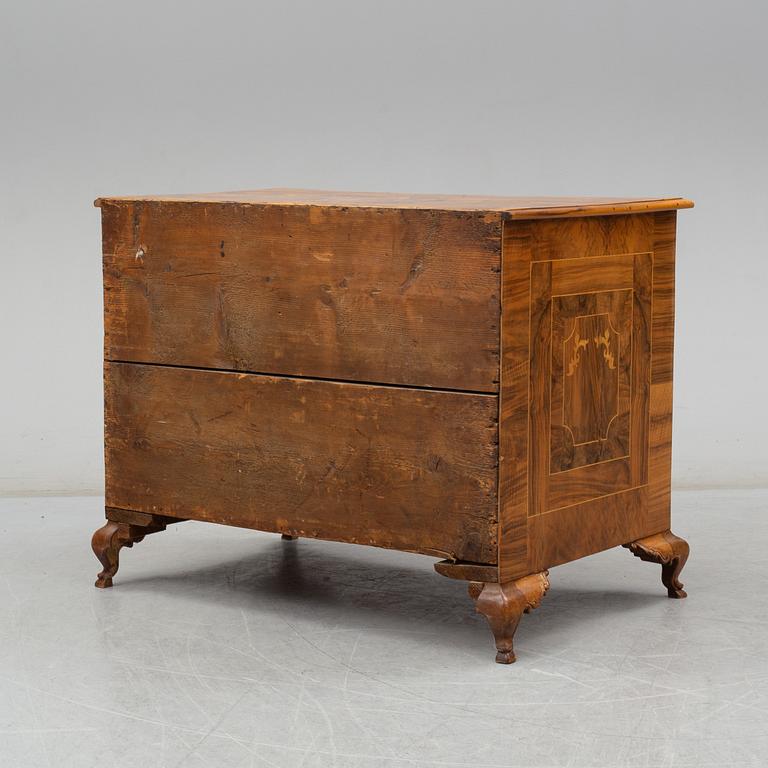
x=504, y=604
x=670, y=552
x=288, y=537
x=110, y=539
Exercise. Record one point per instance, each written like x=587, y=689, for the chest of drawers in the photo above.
x=483, y=380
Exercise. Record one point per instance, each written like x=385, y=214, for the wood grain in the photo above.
x=385, y=296
x=540, y=322
x=587, y=238
x=568, y=464
x=592, y=526
x=131, y=516
x=388, y=466
x=514, y=395
x=590, y=374
x=608, y=273
x=662, y=343
x=670, y=552
x=584, y=495
x=511, y=207
x=503, y=606
x=467, y=571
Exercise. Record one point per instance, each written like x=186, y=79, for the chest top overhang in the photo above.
x=505, y=207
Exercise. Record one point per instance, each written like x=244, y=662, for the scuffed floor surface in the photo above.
x=223, y=647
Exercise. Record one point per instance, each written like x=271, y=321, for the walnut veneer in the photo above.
x=485, y=380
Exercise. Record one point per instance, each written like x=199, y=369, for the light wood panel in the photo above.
x=519, y=207
x=386, y=296
x=388, y=466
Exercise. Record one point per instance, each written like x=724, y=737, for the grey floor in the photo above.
x=222, y=647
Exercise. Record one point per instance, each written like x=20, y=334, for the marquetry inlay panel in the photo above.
x=590, y=377
x=591, y=383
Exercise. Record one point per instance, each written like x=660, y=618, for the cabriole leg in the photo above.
x=670, y=552
x=112, y=537
x=504, y=604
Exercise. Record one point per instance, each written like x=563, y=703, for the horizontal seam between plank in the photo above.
x=447, y=390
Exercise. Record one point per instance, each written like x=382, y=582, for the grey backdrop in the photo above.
x=656, y=98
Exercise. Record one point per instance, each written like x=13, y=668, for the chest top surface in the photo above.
x=507, y=207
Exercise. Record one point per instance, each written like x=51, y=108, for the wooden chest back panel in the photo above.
x=375, y=295
x=391, y=466
x=585, y=411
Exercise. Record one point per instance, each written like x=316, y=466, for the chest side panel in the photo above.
x=390, y=466
x=586, y=386
x=373, y=295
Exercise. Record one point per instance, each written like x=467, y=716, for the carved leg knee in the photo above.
x=670, y=552
x=111, y=538
x=504, y=604
x=106, y=544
